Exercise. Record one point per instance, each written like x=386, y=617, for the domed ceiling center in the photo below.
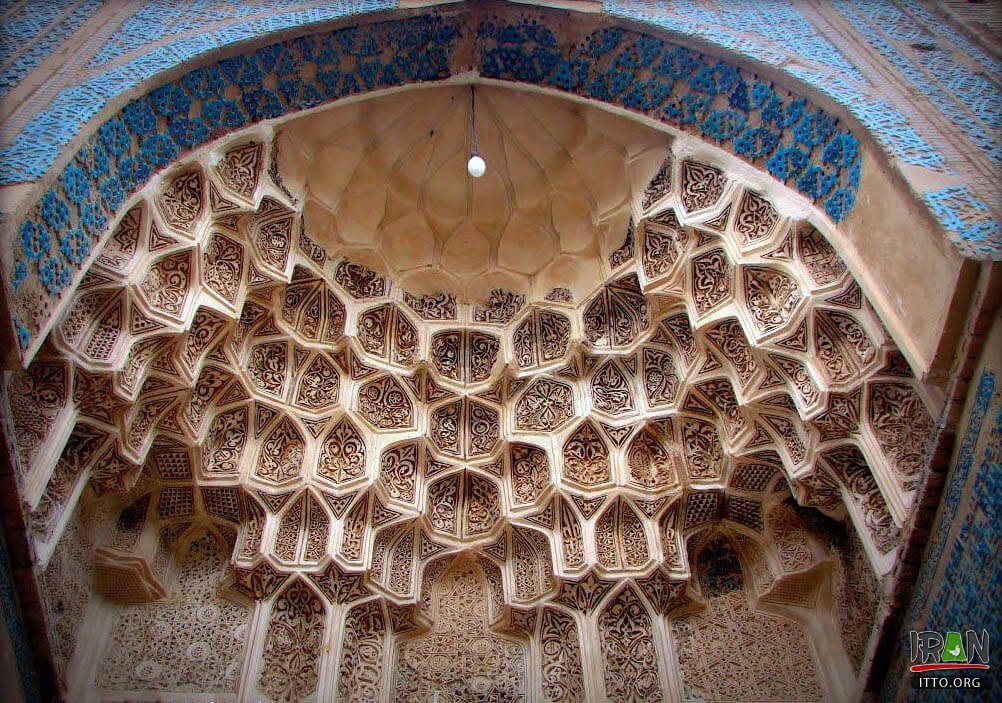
x=386, y=182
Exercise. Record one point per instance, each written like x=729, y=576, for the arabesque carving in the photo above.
x=532, y=460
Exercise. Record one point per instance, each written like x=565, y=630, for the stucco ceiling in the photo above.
x=385, y=181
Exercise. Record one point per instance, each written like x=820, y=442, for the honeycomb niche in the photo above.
x=381, y=427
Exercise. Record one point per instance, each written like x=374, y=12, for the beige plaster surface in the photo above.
x=388, y=176
x=909, y=270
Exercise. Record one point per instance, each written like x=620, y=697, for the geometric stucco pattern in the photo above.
x=342, y=439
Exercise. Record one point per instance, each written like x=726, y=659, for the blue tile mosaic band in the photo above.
x=966, y=217
x=930, y=57
x=958, y=79
x=772, y=32
x=780, y=132
x=966, y=96
x=961, y=596
x=160, y=19
x=778, y=34
x=163, y=34
x=31, y=152
x=32, y=30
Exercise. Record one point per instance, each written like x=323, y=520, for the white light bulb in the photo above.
x=476, y=166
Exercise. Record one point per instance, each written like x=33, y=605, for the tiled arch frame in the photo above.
x=719, y=100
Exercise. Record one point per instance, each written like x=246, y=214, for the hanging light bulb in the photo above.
x=476, y=166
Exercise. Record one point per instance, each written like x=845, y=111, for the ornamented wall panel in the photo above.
x=192, y=642
x=960, y=564
x=290, y=660
x=153, y=130
x=731, y=651
x=459, y=656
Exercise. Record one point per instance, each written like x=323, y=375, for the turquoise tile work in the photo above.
x=30, y=153
x=961, y=574
x=956, y=76
x=782, y=133
x=31, y=30
x=777, y=33
x=772, y=32
x=958, y=79
x=962, y=214
x=159, y=19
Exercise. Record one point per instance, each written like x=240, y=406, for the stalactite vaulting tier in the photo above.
x=459, y=480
